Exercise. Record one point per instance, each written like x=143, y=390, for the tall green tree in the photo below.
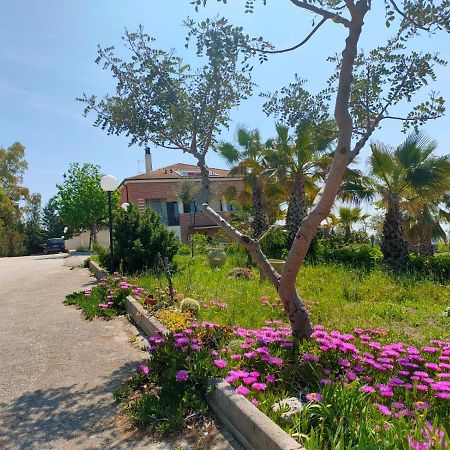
x=52, y=222
x=81, y=202
x=33, y=225
x=12, y=167
x=162, y=100
x=297, y=164
x=249, y=162
x=348, y=217
x=12, y=237
x=12, y=193
x=405, y=177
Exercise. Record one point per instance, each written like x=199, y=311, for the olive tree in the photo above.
x=366, y=90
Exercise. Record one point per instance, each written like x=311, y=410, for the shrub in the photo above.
x=274, y=243
x=190, y=305
x=102, y=253
x=139, y=238
x=437, y=266
x=356, y=255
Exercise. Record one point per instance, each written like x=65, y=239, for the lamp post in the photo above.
x=109, y=184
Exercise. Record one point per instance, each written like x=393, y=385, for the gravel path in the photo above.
x=58, y=371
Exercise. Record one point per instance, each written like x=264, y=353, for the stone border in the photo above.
x=251, y=427
x=148, y=324
x=98, y=271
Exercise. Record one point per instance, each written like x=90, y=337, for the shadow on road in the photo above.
x=73, y=414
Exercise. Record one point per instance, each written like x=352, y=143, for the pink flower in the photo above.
x=308, y=357
x=182, y=376
x=271, y=378
x=275, y=361
x=443, y=395
x=368, y=389
x=314, y=397
x=234, y=357
x=259, y=386
x=249, y=380
x=220, y=363
x=242, y=390
x=255, y=402
x=144, y=369
x=421, y=406
x=384, y=410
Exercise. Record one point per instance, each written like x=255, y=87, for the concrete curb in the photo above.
x=251, y=427
x=99, y=272
x=148, y=324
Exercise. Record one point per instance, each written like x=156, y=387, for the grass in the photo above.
x=408, y=308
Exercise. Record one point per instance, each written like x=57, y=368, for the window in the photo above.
x=168, y=211
x=159, y=205
x=189, y=208
x=173, y=215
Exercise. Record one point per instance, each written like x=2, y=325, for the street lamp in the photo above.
x=109, y=184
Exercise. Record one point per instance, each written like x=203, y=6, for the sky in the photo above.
x=47, y=54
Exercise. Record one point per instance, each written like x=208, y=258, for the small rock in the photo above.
x=294, y=404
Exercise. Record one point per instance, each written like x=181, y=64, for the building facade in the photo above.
x=158, y=189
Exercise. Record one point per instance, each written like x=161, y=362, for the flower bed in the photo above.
x=352, y=389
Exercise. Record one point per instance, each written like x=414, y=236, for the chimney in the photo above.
x=148, y=161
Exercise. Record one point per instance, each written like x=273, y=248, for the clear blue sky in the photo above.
x=47, y=52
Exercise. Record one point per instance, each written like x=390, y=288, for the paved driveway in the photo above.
x=58, y=371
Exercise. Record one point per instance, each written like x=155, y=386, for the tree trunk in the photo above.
x=297, y=210
x=205, y=193
x=286, y=284
x=393, y=243
x=259, y=224
x=425, y=244
x=296, y=311
x=348, y=232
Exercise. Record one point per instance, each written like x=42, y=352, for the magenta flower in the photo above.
x=368, y=389
x=443, y=395
x=271, y=378
x=314, y=397
x=182, y=376
x=309, y=357
x=144, y=369
x=249, y=380
x=384, y=410
x=220, y=363
x=242, y=390
x=259, y=386
x=234, y=357
x=255, y=402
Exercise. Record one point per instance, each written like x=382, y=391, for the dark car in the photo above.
x=54, y=245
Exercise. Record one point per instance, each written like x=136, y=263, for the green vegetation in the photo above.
x=407, y=307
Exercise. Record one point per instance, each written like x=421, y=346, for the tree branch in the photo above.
x=295, y=47
x=247, y=242
x=322, y=12
x=408, y=18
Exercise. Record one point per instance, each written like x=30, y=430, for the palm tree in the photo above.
x=249, y=162
x=298, y=164
x=406, y=177
x=422, y=227
x=348, y=217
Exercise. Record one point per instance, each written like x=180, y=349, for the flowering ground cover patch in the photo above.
x=107, y=298
x=356, y=392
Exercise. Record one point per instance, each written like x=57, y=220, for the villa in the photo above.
x=157, y=189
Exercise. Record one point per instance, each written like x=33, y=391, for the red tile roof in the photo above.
x=176, y=171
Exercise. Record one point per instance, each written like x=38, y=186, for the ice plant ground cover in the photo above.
x=357, y=392
x=107, y=298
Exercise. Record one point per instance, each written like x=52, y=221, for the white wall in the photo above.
x=82, y=240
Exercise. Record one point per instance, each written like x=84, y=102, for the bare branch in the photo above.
x=413, y=118
x=322, y=12
x=295, y=47
x=247, y=242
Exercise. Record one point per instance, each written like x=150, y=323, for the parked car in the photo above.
x=54, y=245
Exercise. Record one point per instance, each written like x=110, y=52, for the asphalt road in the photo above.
x=58, y=371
